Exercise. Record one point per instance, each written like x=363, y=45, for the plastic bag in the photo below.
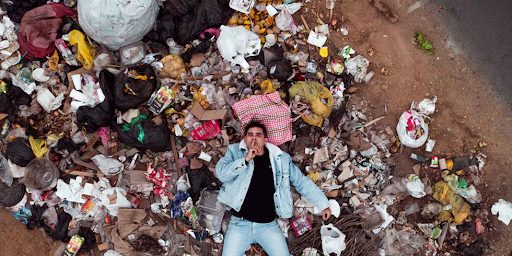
x=38, y=29
x=284, y=21
x=156, y=136
x=100, y=115
x=185, y=20
x=412, y=129
x=414, y=186
x=357, y=67
x=318, y=97
x=20, y=152
x=237, y=43
x=116, y=23
x=211, y=211
x=426, y=106
x=5, y=171
x=85, y=51
x=333, y=240
x=503, y=209
x=445, y=195
x=278, y=67
x=11, y=195
x=134, y=86
x=11, y=97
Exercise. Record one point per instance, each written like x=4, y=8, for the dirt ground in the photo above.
x=468, y=111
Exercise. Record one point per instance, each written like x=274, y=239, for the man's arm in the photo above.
x=307, y=188
x=228, y=167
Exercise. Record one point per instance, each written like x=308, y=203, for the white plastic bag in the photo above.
x=116, y=23
x=284, y=21
x=333, y=240
x=503, y=209
x=414, y=186
x=357, y=66
x=408, y=121
x=237, y=43
x=426, y=106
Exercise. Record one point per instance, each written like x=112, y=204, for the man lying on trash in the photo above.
x=256, y=177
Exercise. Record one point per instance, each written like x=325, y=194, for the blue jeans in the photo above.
x=242, y=233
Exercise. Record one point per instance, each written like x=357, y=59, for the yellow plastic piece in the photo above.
x=53, y=62
x=314, y=176
x=324, y=52
x=38, y=146
x=267, y=87
x=85, y=51
x=199, y=97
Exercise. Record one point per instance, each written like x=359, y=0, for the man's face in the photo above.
x=255, y=135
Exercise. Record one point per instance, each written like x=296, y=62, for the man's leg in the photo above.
x=271, y=239
x=238, y=237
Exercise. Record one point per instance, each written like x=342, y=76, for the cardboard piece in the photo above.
x=204, y=115
x=103, y=247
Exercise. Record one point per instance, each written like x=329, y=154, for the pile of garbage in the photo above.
x=114, y=114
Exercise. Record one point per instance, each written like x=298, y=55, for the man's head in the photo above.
x=255, y=134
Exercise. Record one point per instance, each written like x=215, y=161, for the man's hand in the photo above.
x=326, y=213
x=253, y=151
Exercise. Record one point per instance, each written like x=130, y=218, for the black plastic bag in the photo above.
x=11, y=195
x=143, y=134
x=89, y=239
x=59, y=232
x=200, y=179
x=19, y=152
x=12, y=98
x=134, y=87
x=100, y=115
x=17, y=9
x=185, y=20
x=278, y=67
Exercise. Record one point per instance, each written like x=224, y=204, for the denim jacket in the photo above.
x=236, y=176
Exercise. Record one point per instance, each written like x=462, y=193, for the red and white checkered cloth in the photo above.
x=269, y=110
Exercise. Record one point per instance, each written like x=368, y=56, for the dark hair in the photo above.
x=252, y=124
